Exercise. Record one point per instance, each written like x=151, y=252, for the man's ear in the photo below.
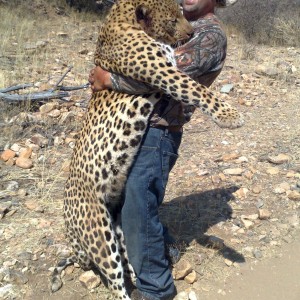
x=143, y=17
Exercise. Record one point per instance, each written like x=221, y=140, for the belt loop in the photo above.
x=166, y=132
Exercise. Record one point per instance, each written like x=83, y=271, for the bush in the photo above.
x=265, y=21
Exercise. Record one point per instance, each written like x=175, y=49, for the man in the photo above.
x=202, y=58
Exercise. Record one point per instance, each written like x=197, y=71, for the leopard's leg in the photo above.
x=79, y=257
x=128, y=269
x=114, y=206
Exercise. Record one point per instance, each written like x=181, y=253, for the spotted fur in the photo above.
x=130, y=43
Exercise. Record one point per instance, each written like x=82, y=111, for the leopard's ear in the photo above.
x=143, y=15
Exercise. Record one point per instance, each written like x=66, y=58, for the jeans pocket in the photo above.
x=168, y=161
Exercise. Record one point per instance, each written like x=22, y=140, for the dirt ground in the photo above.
x=232, y=201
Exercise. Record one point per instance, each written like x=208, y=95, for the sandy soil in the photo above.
x=232, y=186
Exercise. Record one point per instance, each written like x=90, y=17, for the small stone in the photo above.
x=39, y=140
x=24, y=163
x=54, y=113
x=234, y=171
x=22, y=192
x=83, y=51
x=31, y=204
x=62, y=34
x=10, y=162
x=43, y=223
x=6, y=291
x=191, y=278
x=241, y=193
x=256, y=189
x=257, y=253
x=279, y=159
x=228, y=262
x=12, y=186
x=8, y=154
x=269, y=71
x=192, y=295
x=15, y=147
x=182, y=269
x=264, y=214
x=216, y=242
x=182, y=296
x=67, y=117
x=89, y=280
x=4, y=208
x=216, y=179
x=293, y=195
x=273, y=171
x=46, y=108
x=247, y=223
x=25, y=153
x=230, y=156
x=227, y=88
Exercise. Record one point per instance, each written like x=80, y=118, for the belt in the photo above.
x=175, y=128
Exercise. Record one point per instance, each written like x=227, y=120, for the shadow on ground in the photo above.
x=189, y=217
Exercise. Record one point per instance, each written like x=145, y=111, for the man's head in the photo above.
x=194, y=9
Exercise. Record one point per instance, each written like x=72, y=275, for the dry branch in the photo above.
x=52, y=93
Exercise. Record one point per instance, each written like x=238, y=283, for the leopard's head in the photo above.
x=163, y=21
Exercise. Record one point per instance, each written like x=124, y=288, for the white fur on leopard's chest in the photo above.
x=169, y=53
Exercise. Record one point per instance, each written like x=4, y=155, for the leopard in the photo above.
x=134, y=40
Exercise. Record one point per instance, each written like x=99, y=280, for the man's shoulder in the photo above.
x=211, y=22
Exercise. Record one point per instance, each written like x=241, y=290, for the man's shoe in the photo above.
x=137, y=295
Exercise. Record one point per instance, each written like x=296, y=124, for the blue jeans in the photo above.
x=143, y=194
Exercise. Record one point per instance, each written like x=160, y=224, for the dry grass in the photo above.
x=269, y=22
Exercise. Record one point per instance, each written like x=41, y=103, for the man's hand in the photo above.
x=99, y=79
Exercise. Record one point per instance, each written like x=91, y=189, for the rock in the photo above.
x=273, y=171
x=192, y=295
x=34, y=206
x=293, y=195
x=230, y=156
x=15, y=147
x=256, y=189
x=12, y=186
x=228, y=262
x=24, y=163
x=4, y=208
x=282, y=188
x=22, y=192
x=182, y=296
x=39, y=140
x=227, y=88
x=279, y=159
x=8, y=154
x=241, y=193
x=234, y=171
x=89, y=280
x=10, y=162
x=247, y=223
x=268, y=71
x=83, y=51
x=16, y=277
x=191, y=278
x=25, y=152
x=54, y=113
x=257, y=253
x=46, y=108
x=215, y=242
x=264, y=214
x=182, y=269
x=67, y=117
x=62, y=34
x=6, y=291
